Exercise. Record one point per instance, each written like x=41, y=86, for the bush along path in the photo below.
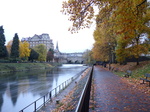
x=112, y=94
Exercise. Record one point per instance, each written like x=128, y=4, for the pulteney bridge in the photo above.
x=76, y=58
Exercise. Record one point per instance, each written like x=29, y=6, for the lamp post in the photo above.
x=109, y=44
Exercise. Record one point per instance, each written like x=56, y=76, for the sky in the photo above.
x=30, y=17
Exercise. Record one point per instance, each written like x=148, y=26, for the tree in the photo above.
x=50, y=55
x=15, y=47
x=3, y=50
x=105, y=39
x=8, y=46
x=24, y=50
x=120, y=23
x=81, y=12
x=131, y=24
x=33, y=55
x=88, y=57
x=41, y=50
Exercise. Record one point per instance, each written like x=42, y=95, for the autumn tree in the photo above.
x=8, y=46
x=131, y=25
x=100, y=51
x=3, y=50
x=50, y=55
x=41, y=50
x=120, y=23
x=105, y=38
x=81, y=12
x=24, y=50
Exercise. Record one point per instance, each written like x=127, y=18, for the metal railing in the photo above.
x=36, y=105
x=83, y=104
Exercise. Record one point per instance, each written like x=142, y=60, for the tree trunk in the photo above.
x=137, y=61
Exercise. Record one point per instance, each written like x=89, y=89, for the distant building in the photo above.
x=40, y=39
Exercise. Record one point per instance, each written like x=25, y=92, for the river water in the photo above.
x=17, y=90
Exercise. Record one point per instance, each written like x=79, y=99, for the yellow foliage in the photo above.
x=8, y=46
x=24, y=49
x=119, y=23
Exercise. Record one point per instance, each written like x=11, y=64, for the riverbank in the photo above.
x=14, y=67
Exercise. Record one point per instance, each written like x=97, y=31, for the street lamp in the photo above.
x=109, y=44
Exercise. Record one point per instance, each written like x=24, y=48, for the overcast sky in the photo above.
x=30, y=17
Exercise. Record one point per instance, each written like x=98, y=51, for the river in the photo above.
x=19, y=89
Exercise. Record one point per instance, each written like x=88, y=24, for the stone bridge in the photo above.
x=76, y=58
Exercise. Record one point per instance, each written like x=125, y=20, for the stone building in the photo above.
x=69, y=58
x=40, y=39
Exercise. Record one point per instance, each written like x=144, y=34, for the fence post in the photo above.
x=65, y=84
x=59, y=88
x=50, y=95
x=62, y=86
x=35, y=106
x=55, y=91
x=44, y=100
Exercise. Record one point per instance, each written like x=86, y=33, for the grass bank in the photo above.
x=12, y=67
x=138, y=71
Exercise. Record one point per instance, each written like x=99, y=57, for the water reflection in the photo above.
x=19, y=89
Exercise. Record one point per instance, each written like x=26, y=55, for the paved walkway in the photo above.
x=113, y=95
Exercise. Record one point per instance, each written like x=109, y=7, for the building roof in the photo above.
x=43, y=36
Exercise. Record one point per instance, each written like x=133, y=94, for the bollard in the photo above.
x=57, y=101
x=50, y=96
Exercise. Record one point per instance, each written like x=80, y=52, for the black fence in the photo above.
x=83, y=104
x=36, y=105
x=141, y=58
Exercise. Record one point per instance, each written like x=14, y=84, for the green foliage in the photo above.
x=15, y=47
x=3, y=50
x=88, y=57
x=33, y=55
x=8, y=67
x=41, y=50
x=138, y=73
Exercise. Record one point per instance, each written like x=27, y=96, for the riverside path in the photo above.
x=112, y=94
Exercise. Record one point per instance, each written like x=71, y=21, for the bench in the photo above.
x=113, y=69
x=146, y=78
x=116, y=69
x=128, y=73
x=57, y=101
